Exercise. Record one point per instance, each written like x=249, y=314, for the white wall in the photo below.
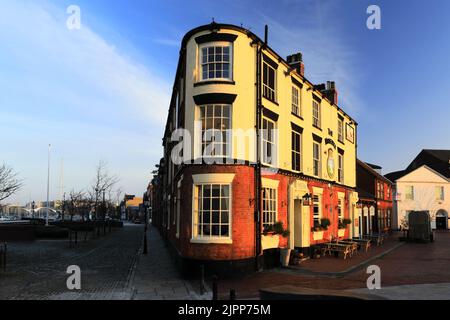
x=424, y=180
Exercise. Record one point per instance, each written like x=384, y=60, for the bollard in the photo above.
x=145, y=244
x=232, y=294
x=215, y=289
x=202, y=279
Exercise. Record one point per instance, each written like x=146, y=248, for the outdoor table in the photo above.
x=377, y=238
x=364, y=242
x=337, y=247
x=354, y=246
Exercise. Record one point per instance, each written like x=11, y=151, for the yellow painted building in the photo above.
x=231, y=82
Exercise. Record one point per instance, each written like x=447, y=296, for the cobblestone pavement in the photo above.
x=408, y=271
x=111, y=269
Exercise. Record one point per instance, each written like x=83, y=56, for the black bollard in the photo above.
x=202, y=280
x=145, y=244
x=215, y=289
x=232, y=294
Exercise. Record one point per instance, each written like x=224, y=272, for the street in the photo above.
x=112, y=268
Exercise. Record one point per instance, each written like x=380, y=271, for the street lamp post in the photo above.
x=48, y=186
x=33, y=205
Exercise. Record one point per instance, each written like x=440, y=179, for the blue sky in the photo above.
x=102, y=92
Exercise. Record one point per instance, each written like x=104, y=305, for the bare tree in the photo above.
x=9, y=182
x=103, y=184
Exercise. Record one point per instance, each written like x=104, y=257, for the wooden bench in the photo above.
x=339, y=248
x=364, y=243
x=353, y=246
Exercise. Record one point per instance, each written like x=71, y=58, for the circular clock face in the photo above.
x=330, y=164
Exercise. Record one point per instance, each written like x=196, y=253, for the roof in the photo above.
x=393, y=176
x=374, y=166
x=438, y=160
x=369, y=168
x=364, y=195
x=442, y=155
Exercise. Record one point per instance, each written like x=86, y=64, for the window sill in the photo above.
x=273, y=101
x=297, y=116
x=208, y=82
x=212, y=241
x=318, y=128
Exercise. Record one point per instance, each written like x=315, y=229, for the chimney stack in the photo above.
x=331, y=92
x=296, y=62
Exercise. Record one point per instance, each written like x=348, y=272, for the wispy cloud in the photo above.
x=326, y=54
x=78, y=91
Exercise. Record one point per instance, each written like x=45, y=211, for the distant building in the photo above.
x=375, y=199
x=423, y=186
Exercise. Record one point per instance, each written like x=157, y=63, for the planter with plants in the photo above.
x=343, y=227
x=271, y=239
x=319, y=229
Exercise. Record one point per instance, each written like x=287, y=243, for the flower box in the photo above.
x=341, y=233
x=318, y=235
x=270, y=241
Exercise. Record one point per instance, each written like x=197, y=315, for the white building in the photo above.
x=423, y=186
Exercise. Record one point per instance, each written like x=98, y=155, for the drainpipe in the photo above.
x=258, y=180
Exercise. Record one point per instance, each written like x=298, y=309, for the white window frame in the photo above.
x=266, y=87
x=340, y=130
x=440, y=195
x=319, y=214
x=296, y=101
x=271, y=204
x=201, y=64
x=228, y=131
x=408, y=195
x=340, y=168
x=340, y=210
x=265, y=141
x=212, y=179
x=316, y=114
x=296, y=152
x=319, y=160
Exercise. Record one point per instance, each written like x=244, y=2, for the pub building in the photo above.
x=374, y=208
x=290, y=185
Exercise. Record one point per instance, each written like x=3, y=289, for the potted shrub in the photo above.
x=285, y=253
x=343, y=226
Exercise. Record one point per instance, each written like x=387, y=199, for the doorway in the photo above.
x=441, y=220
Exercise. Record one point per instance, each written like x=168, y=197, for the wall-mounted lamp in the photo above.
x=307, y=199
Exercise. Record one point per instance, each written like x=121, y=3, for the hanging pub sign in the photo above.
x=350, y=133
x=330, y=164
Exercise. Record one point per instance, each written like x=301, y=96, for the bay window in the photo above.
x=212, y=211
x=216, y=125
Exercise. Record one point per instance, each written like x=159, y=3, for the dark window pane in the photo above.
x=225, y=191
x=215, y=204
x=215, y=230
x=216, y=190
x=224, y=231
x=224, y=217
x=215, y=216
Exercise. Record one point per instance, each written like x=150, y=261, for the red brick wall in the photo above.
x=327, y=202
